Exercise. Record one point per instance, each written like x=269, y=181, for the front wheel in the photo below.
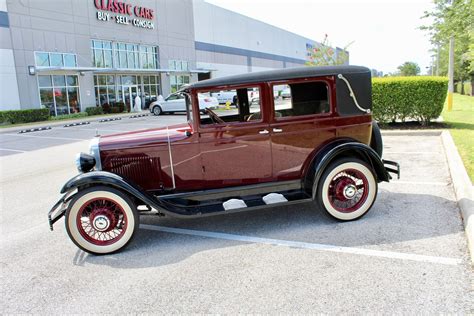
x=157, y=110
x=101, y=220
x=347, y=189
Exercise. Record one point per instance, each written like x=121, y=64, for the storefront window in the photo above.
x=60, y=94
x=42, y=59
x=151, y=89
x=127, y=55
x=106, y=54
x=177, y=81
x=70, y=60
x=46, y=59
x=102, y=54
x=105, y=89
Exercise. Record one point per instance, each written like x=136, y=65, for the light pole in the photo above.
x=451, y=74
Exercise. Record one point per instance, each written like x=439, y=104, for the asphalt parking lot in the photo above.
x=12, y=142
x=407, y=255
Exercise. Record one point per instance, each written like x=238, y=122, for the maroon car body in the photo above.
x=321, y=145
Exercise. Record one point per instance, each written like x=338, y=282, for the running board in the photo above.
x=233, y=204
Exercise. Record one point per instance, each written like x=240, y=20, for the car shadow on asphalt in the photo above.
x=394, y=218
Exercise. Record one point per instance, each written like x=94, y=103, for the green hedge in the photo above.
x=94, y=111
x=403, y=98
x=24, y=116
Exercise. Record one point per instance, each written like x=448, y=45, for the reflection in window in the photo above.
x=42, y=59
x=60, y=94
x=46, y=59
x=247, y=106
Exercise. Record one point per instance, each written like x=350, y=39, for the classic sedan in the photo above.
x=176, y=103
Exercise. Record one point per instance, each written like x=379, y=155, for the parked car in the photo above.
x=320, y=147
x=176, y=103
x=285, y=93
x=225, y=96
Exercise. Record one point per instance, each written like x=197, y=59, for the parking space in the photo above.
x=12, y=143
x=407, y=255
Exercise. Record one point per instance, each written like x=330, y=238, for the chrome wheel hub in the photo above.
x=101, y=223
x=350, y=191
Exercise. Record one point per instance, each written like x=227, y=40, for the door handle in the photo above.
x=277, y=130
x=264, y=132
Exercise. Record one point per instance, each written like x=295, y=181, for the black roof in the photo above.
x=279, y=74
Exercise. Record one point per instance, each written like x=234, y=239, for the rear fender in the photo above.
x=343, y=149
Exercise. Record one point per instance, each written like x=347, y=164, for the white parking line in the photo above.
x=14, y=150
x=443, y=184
x=413, y=152
x=305, y=245
x=45, y=137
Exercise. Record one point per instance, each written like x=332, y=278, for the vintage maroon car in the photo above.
x=308, y=137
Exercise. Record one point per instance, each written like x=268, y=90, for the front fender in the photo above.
x=116, y=181
x=359, y=150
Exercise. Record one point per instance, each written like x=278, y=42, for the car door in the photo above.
x=174, y=102
x=301, y=122
x=236, y=152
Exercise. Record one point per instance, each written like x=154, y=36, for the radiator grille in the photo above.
x=142, y=170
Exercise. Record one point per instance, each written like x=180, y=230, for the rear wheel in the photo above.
x=347, y=189
x=101, y=220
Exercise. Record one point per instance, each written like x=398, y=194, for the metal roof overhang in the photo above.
x=61, y=70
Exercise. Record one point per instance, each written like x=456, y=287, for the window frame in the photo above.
x=229, y=125
x=326, y=81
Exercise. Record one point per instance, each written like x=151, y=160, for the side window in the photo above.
x=230, y=106
x=172, y=97
x=297, y=99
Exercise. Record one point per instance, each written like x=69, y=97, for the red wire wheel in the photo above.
x=347, y=189
x=101, y=220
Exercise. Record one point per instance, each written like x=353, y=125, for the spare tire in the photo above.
x=376, y=142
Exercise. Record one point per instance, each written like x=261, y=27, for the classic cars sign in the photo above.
x=124, y=13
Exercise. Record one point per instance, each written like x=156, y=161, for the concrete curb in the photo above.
x=462, y=188
x=401, y=132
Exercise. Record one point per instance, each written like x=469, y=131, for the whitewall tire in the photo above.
x=101, y=220
x=347, y=189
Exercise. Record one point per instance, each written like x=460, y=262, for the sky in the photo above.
x=384, y=33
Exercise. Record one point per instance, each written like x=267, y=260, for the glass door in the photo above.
x=129, y=95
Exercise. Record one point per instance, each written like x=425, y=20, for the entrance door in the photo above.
x=129, y=95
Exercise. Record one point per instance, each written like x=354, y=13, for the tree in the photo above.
x=409, y=68
x=324, y=54
x=453, y=18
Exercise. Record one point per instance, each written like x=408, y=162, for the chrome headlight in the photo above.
x=84, y=162
x=95, y=152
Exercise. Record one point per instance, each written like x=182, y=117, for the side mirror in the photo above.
x=188, y=133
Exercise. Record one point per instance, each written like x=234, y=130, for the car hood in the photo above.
x=145, y=137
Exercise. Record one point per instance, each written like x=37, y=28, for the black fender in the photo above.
x=111, y=179
x=343, y=148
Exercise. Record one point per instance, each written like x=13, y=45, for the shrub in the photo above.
x=402, y=98
x=121, y=106
x=68, y=116
x=114, y=109
x=24, y=116
x=106, y=108
x=94, y=111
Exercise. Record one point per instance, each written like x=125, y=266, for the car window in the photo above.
x=298, y=99
x=172, y=97
x=230, y=106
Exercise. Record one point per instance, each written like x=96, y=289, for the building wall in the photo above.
x=9, y=96
x=244, y=41
x=68, y=26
